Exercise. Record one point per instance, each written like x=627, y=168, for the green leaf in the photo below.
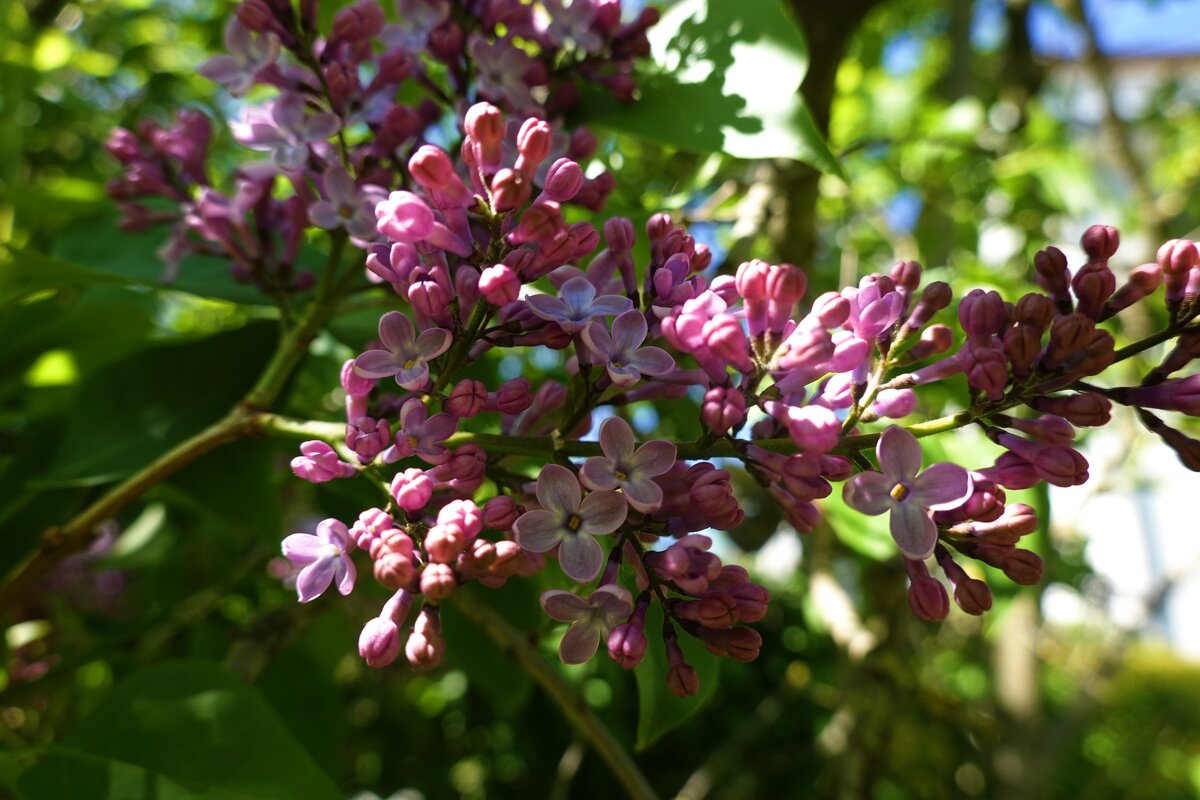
x=140, y=406
x=659, y=711
x=867, y=536
x=179, y=731
x=487, y=667
x=731, y=85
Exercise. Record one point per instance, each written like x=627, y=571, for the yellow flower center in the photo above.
x=574, y=522
x=409, y=364
x=412, y=441
x=619, y=475
x=899, y=492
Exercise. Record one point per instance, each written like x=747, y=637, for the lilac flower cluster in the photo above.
x=469, y=263
x=477, y=249
x=337, y=131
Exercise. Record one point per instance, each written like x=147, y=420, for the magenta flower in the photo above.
x=610, y=605
x=572, y=525
x=632, y=471
x=325, y=558
x=247, y=55
x=407, y=355
x=284, y=129
x=623, y=356
x=346, y=206
x=421, y=435
x=909, y=496
x=576, y=305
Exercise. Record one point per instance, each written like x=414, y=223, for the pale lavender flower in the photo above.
x=421, y=435
x=324, y=558
x=590, y=619
x=628, y=469
x=407, y=355
x=283, y=129
x=418, y=18
x=572, y=23
x=501, y=70
x=572, y=525
x=346, y=205
x=247, y=55
x=908, y=496
x=577, y=305
x=621, y=351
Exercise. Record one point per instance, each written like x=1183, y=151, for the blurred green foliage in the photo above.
x=100, y=369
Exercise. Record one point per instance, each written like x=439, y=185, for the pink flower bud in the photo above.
x=499, y=284
x=713, y=610
x=982, y=314
x=412, y=489
x=510, y=190
x=1068, y=334
x=533, y=145
x=1022, y=345
x=830, y=310
x=1143, y=281
x=367, y=437
x=1023, y=566
x=986, y=370
x=1178, y=256
x=928, y=600
x=425, y=647
x=1035, y=310
x=682, y=679
x=438, y=581
x=563, y=180
x=895, y=403
x=1100, y=242
x=722, y=409
x=627, y=645
x=429, y=299
x=379, y=642
x=1094, y=283
x=500, y=512
x=934, y=298
x=464, y=515
x=404, y=217
x=619, y=234
x=443, y=543
x=751, y=598
x=369, y=527
x=466, y=399
x=1086, y=409
x=973, y=596
x=1054, y=276
x=512, y=397
x=394, y=570
x=319, y=463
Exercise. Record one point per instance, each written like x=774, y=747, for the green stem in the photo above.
x=573, y=706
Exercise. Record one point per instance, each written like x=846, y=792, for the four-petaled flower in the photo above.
x=346, y=205
x=909, y=496
x=284, y=129
x=247, y=55
x=420, y=434
x=576, y=305
x=610, y=605
x=632, y=471
x=325, y=559
x=407, y=355
x=623, y=356
x=565, y=521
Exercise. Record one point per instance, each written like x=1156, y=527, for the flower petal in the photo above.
x=654, y=458
x=413, y=378
x=610, y=305
x=899, y=454
x=344, y=573
x=942, y=487
x=652, y=361
x=616, y=439
x=564, y=606
x=913, y=530
x=558, y=489
x=302, y=548
x=615, y=601
x=334, y=532
x=580, y=556
x=597, y=339
x=629, y=329
x=597, y=473
x=433, y=342
x=868, y=493
x=396, y=331
x=377, y=364
x=539, y=530
x=577, y=294
x=314, y=579
x=579, y=643
x=625, y=375
x=643, y=494
x=602, y=513
x=547, y=307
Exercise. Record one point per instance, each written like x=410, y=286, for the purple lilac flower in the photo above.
x=908, y=496
x=346, y=205
x=325, y=559
x=284, y=129
x=632, y=471
x=407, y=355
x=421, y=435
x=577, y=305
x=247, y=55
x=418, y=18
x=590, y=618
x=502, y=70
x=572, y=23
x=573, y=525
x=621, y=352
